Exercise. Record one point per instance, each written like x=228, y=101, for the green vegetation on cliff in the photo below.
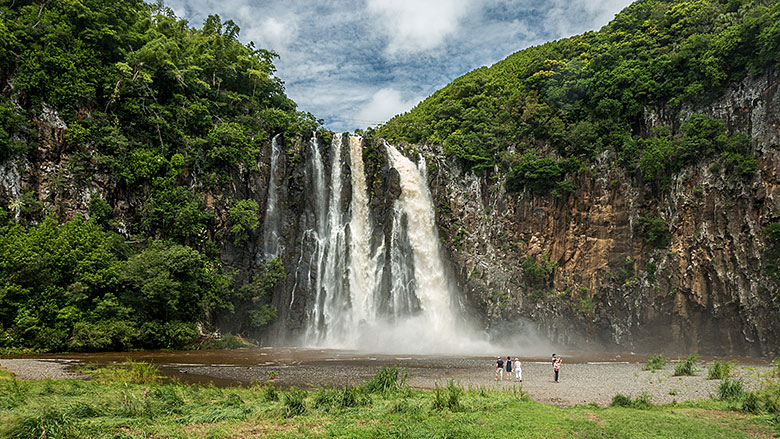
x=541, y=109
x=166, y=112
x=77, y=287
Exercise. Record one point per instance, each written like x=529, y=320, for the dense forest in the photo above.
x=543, y=111
x=154, y=103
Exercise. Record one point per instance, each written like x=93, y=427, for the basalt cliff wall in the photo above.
x=591, y=277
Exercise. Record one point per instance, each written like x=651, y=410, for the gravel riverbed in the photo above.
x=581, y=382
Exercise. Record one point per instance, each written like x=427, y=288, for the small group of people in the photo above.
x=501, y=365
x=507, y=366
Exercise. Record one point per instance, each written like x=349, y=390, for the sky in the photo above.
x=357, y=63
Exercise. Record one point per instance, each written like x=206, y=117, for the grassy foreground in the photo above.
x=128, y=401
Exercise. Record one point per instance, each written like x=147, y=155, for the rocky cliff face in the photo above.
x=575, y=269
x=580, y=271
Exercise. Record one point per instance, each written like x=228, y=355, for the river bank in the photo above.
x=584, y=379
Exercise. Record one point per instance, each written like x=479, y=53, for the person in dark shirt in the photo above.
x=508, y=368
x=499, y=369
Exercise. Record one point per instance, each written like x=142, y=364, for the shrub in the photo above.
x=655, y=230
x=99, y=209
x=101, y=336
x=743, y=165
x=294, y=402
x=656, y=362
x=226, y=341
x=719, y=370
x=687, y=367
x=643, y=401
x=243, y=217
x=179, y=334
x=731, y=390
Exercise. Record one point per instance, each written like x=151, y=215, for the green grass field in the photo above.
x=128, y=401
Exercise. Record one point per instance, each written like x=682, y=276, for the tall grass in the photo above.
x=719, y=370
x=270, y=393
x=731, y=390
x=128, y=372
x=294, y=402
x=13, y=393
x=448, y=397
x=349, y=396
x=47, y=422
x=640, y=402
x=687, y=367
x=387, y=380
x=73, y=409
x=655, y=362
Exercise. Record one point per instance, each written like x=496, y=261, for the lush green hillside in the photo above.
x=561, y=103
x=152, y=103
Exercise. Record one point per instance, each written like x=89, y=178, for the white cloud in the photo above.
x=414, y=26
x=590, y=15
x=384, y=104
x=272, y=33
x=358, y=62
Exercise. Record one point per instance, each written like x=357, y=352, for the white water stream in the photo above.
x=348, y=304
x=271, y=228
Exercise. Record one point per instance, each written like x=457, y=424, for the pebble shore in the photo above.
x=580, y=383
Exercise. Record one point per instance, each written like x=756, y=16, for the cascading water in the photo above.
x=430, y=287
x=315, y=225
x=364, y=269
x=329, y=255
x=271, y=226
x=343, y=273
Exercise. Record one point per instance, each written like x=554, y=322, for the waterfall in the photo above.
x=271, y=227
x=364, y=270
x=314, y=222
x=329, y=254
x=342, y=266
x=430, y=287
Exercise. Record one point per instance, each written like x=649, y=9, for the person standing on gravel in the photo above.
x=499, y=369
x=518, y=370
x=508, y=368
x=557, y=367
x=555, y=373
